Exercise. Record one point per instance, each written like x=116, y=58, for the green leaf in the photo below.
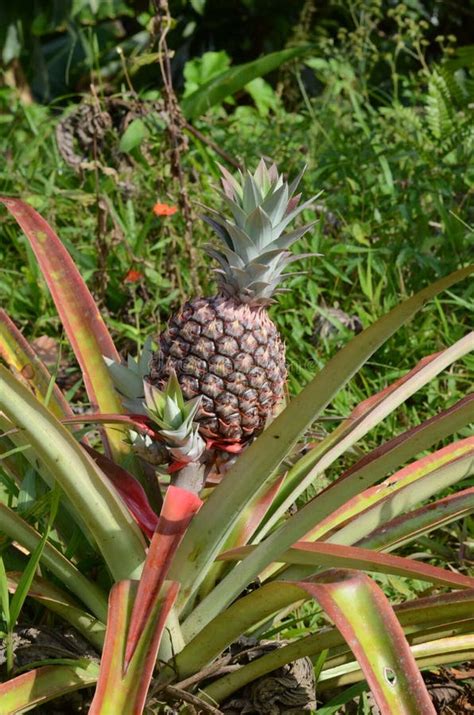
x=12, y=45
x=4, y=597
x=198, y=6
x=17, y=354
x=59, y=602
x=299, y=524
x=79, y=314
x=417, y=617
x=402, y=491
x=234, y=79
x=432, y=653
x=388, y=457
x=407, y=527
x=133, y=136
x=263, y=95
x=365, y=618
x=27, y=494
x=342, y=556
x=334, y=705
x=364, y=417
x=28, y=574
x=88, y=489
x=16, y=528
x=201, y=70
x=43, y=684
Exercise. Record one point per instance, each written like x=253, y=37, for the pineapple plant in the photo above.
x=225, y=348
x=164, y=559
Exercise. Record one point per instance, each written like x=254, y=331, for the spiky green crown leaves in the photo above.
x=128, y=379
x=175, y=418
x=254, y=251
x=167, y=408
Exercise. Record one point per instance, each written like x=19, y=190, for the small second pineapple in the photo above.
x=226, y=348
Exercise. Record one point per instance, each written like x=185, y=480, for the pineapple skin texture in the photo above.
x=230, y=353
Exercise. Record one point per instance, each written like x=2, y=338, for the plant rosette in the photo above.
x=163, y=576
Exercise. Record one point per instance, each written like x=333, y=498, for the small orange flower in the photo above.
x=164, y=210
x=133, y=276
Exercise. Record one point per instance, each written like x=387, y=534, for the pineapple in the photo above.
x=225, y=348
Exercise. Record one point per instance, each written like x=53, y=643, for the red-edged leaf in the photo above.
x=363, y=616
x=121, y=599
x=358, y=415
x=438, y=609
x=122, y=689
x=43, y=684
x=166, y=602
x=130, y=490
x=140, y=423
x=362, y=613
x=179, y=507
x=79, y=314
x=248, y=523
x=464, y=406
x=362, y=419
x=254, y=512
x=17, y=353
x=381, y=461
x=420, y=521
x=320, y=554
x=245, y=613
x=383, y=492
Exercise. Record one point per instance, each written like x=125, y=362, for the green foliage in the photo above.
x=201, y=70
x=220, y=86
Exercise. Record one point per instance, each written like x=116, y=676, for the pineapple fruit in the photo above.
x=226, y=348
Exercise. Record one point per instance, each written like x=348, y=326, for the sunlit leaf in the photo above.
x=87, y=488
x=17, y=353
x=79, y=314
x=44, y=684
x=363, y=615
x=341, y=556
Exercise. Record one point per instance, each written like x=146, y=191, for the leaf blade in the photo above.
x=355, y=557
x=101, y=509
x=19, y=530
x=80, y=317
x=368, y=624
x=234, y=79
x=44, y=684
x=17, y=353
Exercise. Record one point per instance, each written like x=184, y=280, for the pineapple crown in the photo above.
x=166, y=408
x=254, y=251
x=175, y=418
x=128, y=379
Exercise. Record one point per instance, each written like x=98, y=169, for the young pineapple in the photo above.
x=225, y=348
